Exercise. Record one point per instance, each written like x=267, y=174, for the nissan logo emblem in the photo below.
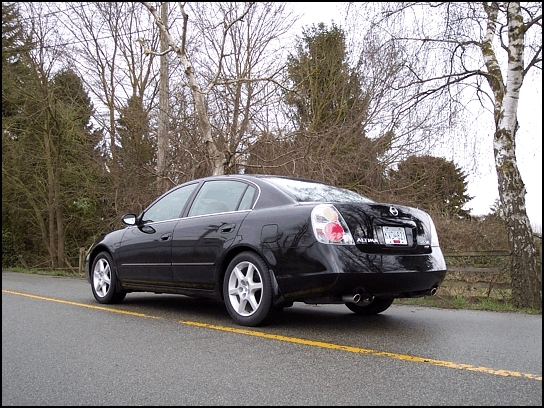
x=393, y=211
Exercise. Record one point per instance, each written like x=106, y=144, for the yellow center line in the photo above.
x=313, y=343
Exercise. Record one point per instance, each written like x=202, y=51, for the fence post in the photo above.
x=81, y=268
x=538, y=244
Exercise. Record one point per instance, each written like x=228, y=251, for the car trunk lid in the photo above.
x=385, y=228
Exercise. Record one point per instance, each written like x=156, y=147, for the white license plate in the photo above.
x=394, y=235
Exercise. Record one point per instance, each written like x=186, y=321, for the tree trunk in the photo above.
x=61, y=252
x=216, y=159
x=162, y=136
x=51, y=202
x=526, y=289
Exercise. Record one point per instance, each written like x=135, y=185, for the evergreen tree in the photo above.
x=15, y=64
x=82, y=176
x=331, y=111
x=52, y=174
x=13, y=72
x=433, y=184
x=325, y=88
x=136, y=157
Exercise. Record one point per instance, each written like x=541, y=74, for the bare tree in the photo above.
x=488, y=48
x=234, y=61
x=101, y=44
x=107, y=56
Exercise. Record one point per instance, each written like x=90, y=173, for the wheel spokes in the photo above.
x=245, y=288
x=102, y=277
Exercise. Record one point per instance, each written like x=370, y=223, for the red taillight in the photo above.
x=334, y=232
x=329, y=226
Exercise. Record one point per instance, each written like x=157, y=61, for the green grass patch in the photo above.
x=52, y=272
x=467, y=303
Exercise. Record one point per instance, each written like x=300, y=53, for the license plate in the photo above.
x=394, y=235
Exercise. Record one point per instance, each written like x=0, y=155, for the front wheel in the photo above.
x=104, y=280
x=370, y=306
x=247, y=291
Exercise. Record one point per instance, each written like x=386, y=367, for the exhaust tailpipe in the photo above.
x=433, y=291
x=352, y=298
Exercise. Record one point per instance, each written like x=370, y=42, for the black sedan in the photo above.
x=261, y=242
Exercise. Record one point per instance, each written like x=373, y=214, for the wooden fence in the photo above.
x=482, y=273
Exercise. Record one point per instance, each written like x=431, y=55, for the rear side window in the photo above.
x=220, y=196
x=247, y=199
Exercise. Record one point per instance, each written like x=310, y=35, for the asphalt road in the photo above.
x=60, y=347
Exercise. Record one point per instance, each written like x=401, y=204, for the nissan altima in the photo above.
x=259, y=243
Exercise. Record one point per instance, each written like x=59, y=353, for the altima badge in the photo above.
x=367, y=241
x=394, y=212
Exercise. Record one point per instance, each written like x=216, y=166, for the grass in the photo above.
x=496, y=300
x=60, y=272
x=463, y=302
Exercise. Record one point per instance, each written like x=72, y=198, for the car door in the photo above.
x=145, y=255
x=210, y=228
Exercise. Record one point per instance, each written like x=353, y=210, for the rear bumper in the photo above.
x=344, y=271
x=331, y=288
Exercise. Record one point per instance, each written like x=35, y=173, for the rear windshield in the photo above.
x=309, y=191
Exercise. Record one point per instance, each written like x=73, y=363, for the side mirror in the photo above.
x=129, y=219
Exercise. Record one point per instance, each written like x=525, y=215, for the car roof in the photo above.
x=294, y=190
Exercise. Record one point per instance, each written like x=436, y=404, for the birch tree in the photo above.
x=488, y=48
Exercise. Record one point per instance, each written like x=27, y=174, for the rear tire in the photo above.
x=370, y=307
x=247, y=291
x=104, y=280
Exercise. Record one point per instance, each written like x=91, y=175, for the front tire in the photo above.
x=104, y=280
x=370, y=307
x=247, y=291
